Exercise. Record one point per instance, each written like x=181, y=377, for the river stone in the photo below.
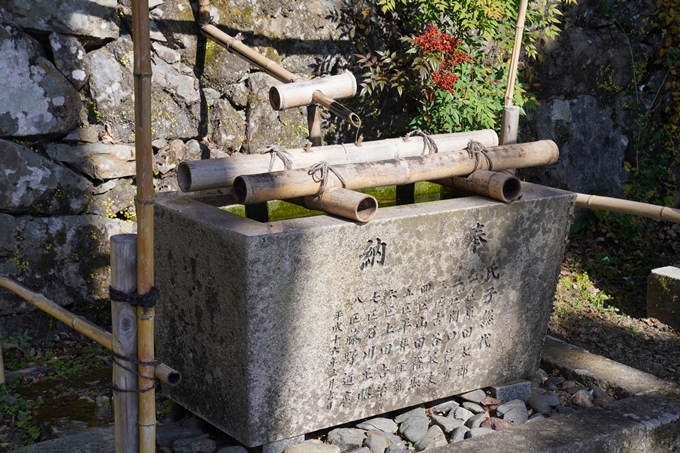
x=444, y=408
x=69, y=58
x=94, y=20
x=510, y=405
x=397, y=328
x=447, y=424
x=233, y=449
x=347, y=439
x=380, y=423
x=417, y=412
x=414, y=428
x=543, y=402
x=460, y=413
x=478, y=432
x=476, y=420
x=497, y=424
x=433, y=439
x=518, y=415
x=459, y=433
x=200, y=444
x=473, y=407
x=582, y=399
x=97, y=160
x=35, y=98
x=312, y=446
x=392, y=439
x=598, y=392
x=475, y=396
x=376, y=443
x=29, y=183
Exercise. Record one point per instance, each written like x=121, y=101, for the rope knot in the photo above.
x=429, y=144
x=277, y=151
x=474, y=150
x=320, y=173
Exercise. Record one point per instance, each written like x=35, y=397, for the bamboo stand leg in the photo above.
x=509, y=125
x=314, y=124
x=124, y=329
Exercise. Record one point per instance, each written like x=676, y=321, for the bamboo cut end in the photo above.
x=366, y=209
x=184, y=177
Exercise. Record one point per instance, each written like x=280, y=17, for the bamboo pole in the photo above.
x=144, y=207
x=299, y=94
x=519, y=33
x=314, y=124
x=499, y=186
x=299, y=183
x=217, y=173
x=124, y=330
x=95, y=333
x=337, y=108
x=342, y=203
x=509, y=125
x=628, y=207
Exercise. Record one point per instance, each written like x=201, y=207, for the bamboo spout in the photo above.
x=628, y=207
x=337, y=108
x=341, y=202
x=499, y=186
x=298, y=183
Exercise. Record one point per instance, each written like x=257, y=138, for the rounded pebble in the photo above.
x=459, y=433
x=234, y=449
x=347, y=439
x=376, y=443
x=598, y=392
x=497, y=424
x=478, y=432
x=510, y=405
x=414, y=428
x=194, y=445
x=518, y=415
x=544, y=403
x=380, y=423
x=434, y=438
x=476, y=420
x=582, y=399
x=417, y=412
x=460, y=413
x=475, y=396
x=444, y=407
x=602, y=400
x=447, y=424
x=473, y=407
x=563, y=410
x=311, y=446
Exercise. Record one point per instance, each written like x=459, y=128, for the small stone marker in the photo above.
x=663, y=295
x=284, y=328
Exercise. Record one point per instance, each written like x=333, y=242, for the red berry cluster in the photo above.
x=434, y=40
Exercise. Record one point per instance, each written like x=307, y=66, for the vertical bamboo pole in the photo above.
x=510, y=120
x=124, y=329
x=144, y=206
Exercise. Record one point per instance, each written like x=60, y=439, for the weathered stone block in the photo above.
x=287, y=327
x=663, y=295
x=515, y=390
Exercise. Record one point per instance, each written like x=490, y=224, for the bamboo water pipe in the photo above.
x=235, y=46
x=342, y=203
x=217, y=173
x=124, y=330
x=298, y=183
x=499, y=186
x=164, y=373
x=144, y=207
x=337, y=108
x=628, y=207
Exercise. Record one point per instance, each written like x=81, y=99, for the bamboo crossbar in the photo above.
x=162, y=372
x=218, y=173
x=262, y=187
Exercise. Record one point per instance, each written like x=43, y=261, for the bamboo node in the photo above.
x=320, y=172
x=474, y=149
x=148, y=202
x=429, y=144
x=277, y=151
